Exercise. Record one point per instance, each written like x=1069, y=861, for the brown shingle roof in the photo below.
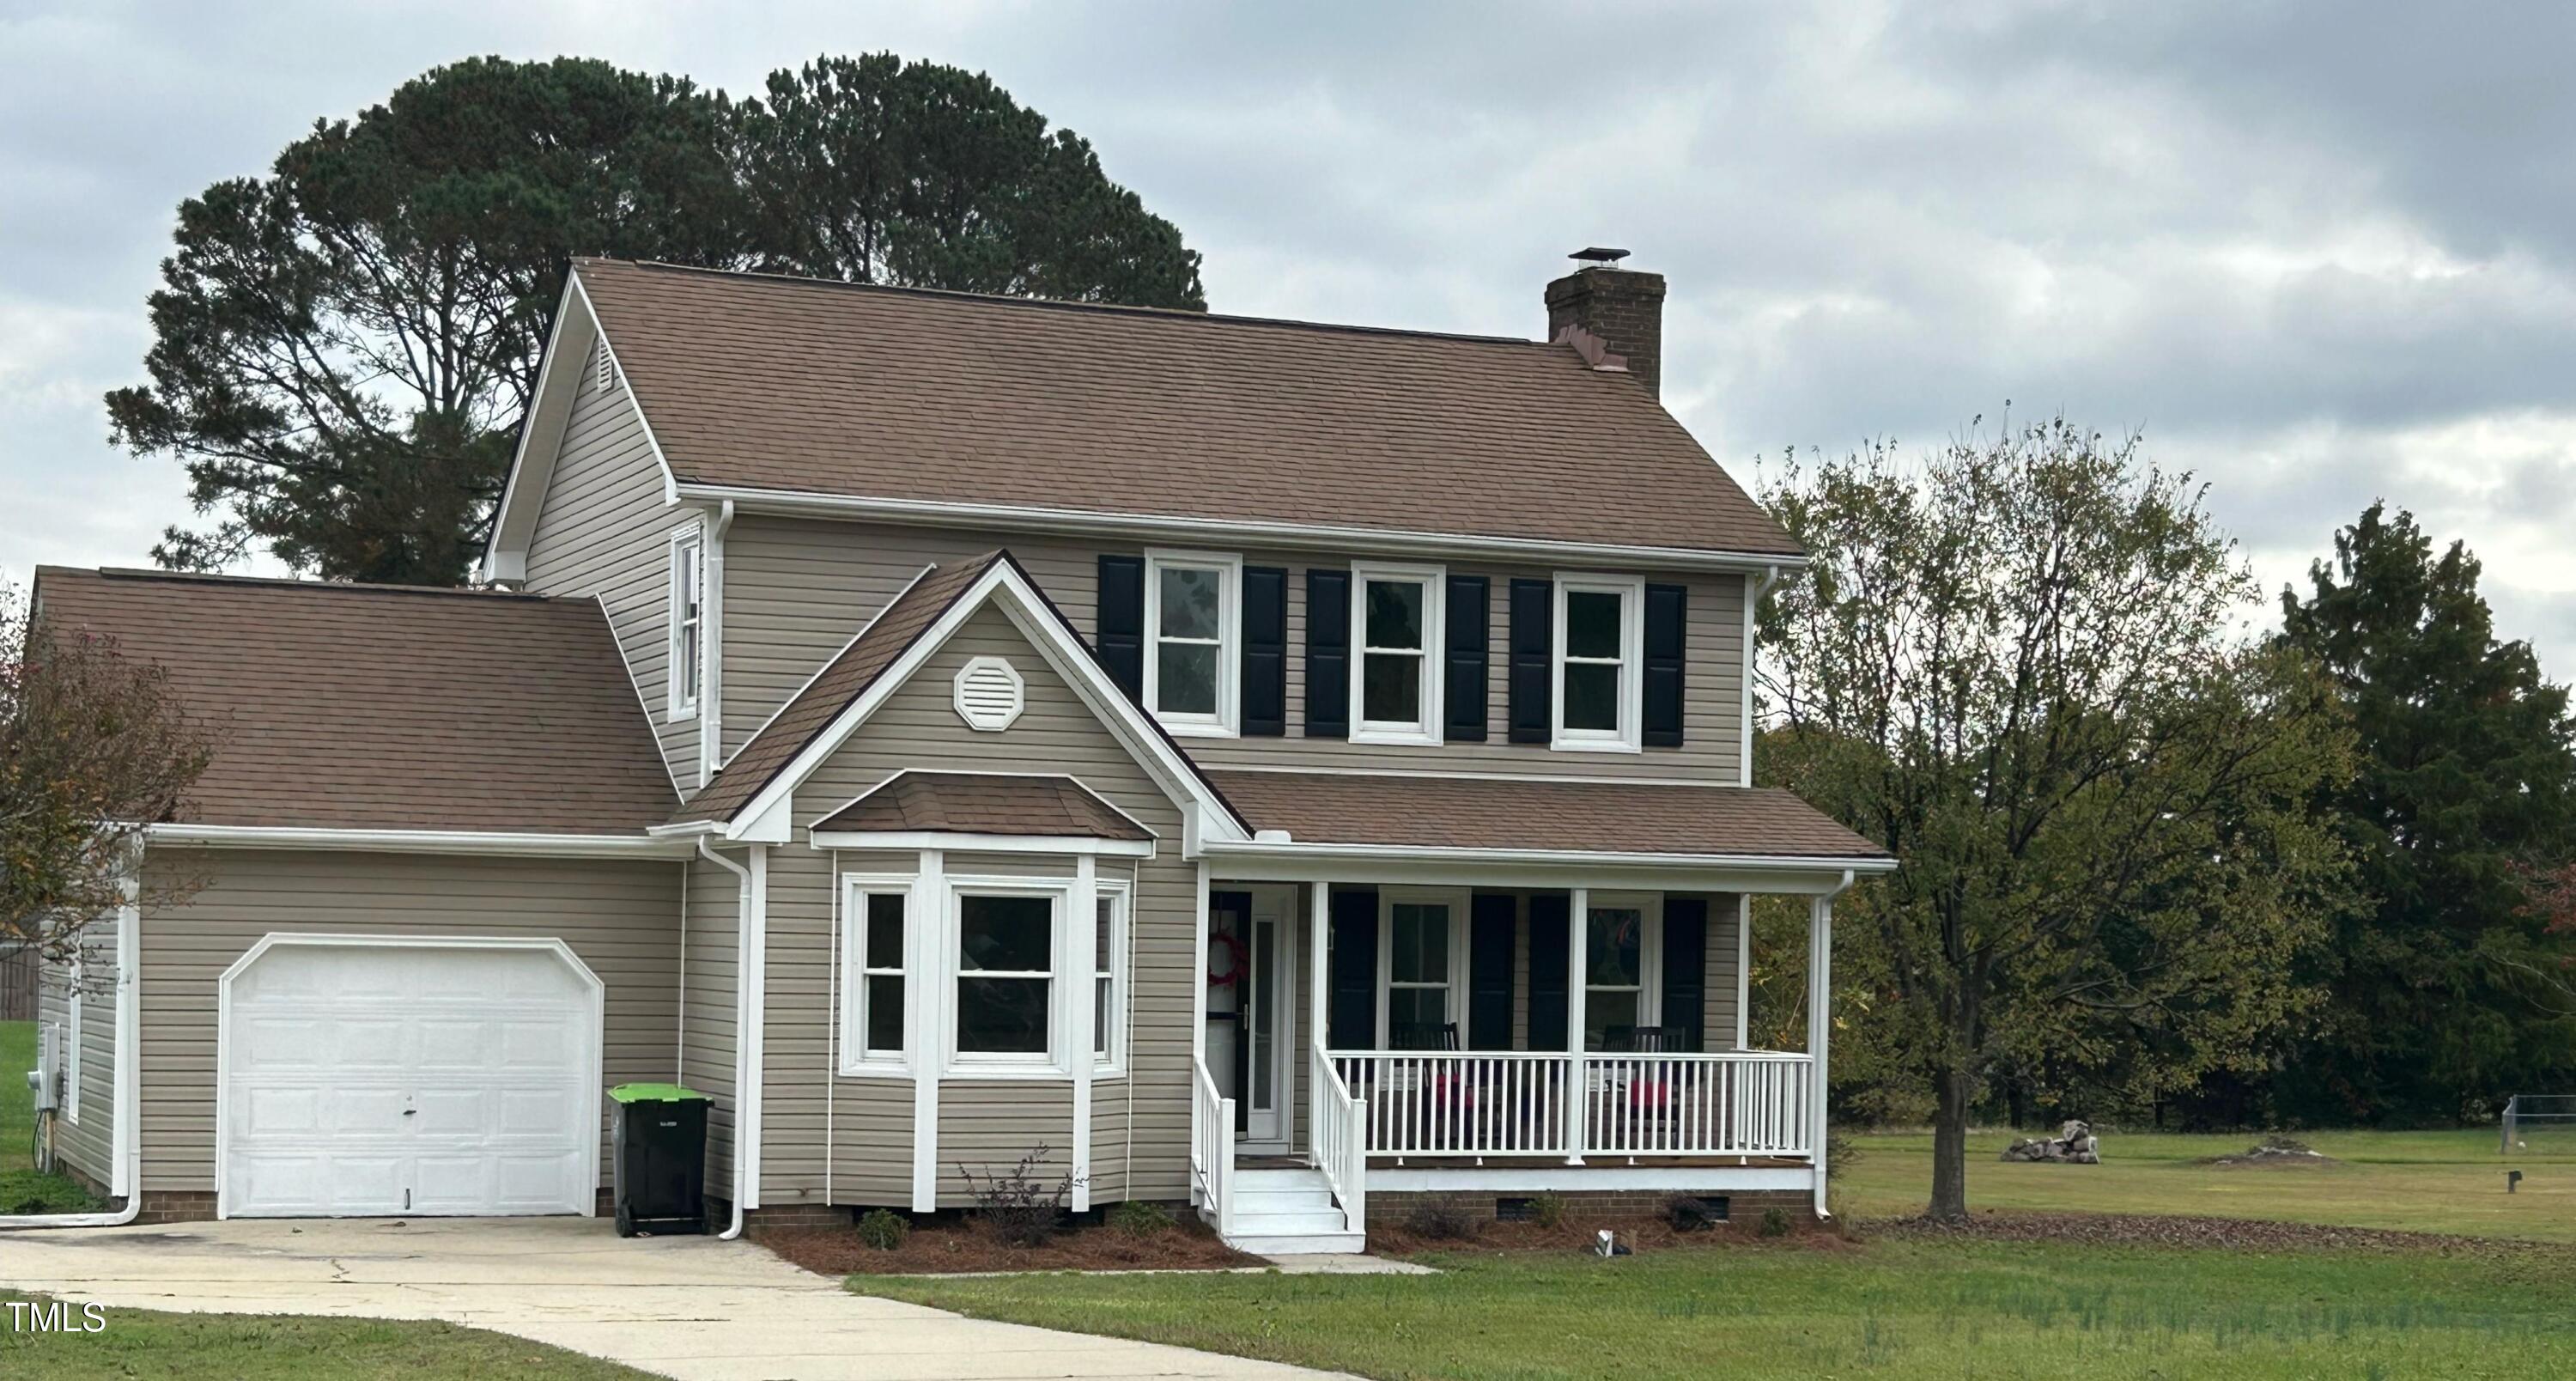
x=1587, y=816
x=841, y=681
x=977, y=803
x=380, y=707
x=892, y=393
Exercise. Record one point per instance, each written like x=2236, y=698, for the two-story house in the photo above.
x=1285, y=767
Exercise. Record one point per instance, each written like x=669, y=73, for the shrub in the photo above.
x=1137, y=1218
x=1548, y=1210
x=1440, y=1221
x=1775, y=1222
x=884, y=1229
x=1017, y=1206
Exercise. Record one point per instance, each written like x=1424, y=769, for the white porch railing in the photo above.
x=1338, y=1140
x=1514, y=1103
x=1211, y=1148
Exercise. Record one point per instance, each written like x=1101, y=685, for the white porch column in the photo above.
x=1083, y=948
x=1820, y=989
x=926, y=914
x=1578, y=923
x=1319, y=920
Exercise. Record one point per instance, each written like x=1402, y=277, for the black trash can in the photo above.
x=661, y=1157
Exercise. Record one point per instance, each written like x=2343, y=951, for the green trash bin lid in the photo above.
x=656, y=1093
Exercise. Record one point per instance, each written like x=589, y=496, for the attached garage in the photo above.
x=380, y=1075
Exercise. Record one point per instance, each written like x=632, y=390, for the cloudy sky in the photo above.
x=2320, y=253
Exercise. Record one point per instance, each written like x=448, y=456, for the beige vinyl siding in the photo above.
x=605, y=531
x=862, y=1127
x=710, y=978
x=797, y=590
x=622, y=919
x=987, y=1125
x=88, y=1145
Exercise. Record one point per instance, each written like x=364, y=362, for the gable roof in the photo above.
x=995, y=804
x=369, y=707
x=831, y=705
x=807, y=387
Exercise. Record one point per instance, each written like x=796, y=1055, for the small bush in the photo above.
x=1018, y=1207
x=1775, y=1222
x=1440, y=1221
x=1136, y=1218
x=1548, y=1211
x=884, y=1229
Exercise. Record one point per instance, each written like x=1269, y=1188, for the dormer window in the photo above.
x=1600, y=637
x=1395, y=667
x=688, y=621
x=1192, y=628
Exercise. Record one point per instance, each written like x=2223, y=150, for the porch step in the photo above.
x=1288, y=1212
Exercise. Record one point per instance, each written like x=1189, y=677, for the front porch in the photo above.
x=1487, y=1035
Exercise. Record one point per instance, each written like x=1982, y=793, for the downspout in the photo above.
x=127, y=1137
x=741, y=1044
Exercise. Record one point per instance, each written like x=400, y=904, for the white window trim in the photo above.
x=951, y=970
x=679, y=705
x=1435, y=583
x=856, y=888
x=1650, y=952
x=1121, y=899
x=1456, y=900
x=1632, y=667
x=1227, y=721
x=72, y=1044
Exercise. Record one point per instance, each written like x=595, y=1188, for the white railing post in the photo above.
x=1578, y=1081
x=1211, y=1147
x=1319, y=919
x=1820, y=988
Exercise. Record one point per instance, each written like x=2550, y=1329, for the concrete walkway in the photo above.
x=690, y=1307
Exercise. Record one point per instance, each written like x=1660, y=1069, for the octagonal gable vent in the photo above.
x=990, y=694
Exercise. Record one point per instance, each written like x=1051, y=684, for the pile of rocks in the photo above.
x=2074, y=1144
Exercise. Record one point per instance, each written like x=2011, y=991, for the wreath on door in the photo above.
x=1232, y=973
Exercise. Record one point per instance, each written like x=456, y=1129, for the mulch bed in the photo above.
x=950, y=1247
x=2231, y=1234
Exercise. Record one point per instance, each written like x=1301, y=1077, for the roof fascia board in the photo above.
x=914, y=841
x=1205, y=531
x=550, y=416
x=523, y=844
x=1269, y=860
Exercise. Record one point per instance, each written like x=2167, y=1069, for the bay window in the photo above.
x=1006, y=945
x=876, y=950
x=1600, y=632
x=1191, y=632
x=1395, y=669
x=1108, y=981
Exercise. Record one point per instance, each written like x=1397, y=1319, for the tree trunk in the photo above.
x=1950, y=1147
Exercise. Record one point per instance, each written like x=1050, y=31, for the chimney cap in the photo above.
x=1597, y=254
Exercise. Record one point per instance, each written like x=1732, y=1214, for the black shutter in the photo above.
x=1686, y=968
x=1533, y=644
x=1121, y=634
x=1664, y=637
x=1350, y=1014
x=1471, y=617
x=1265, y=652
x=1551, y=968
x=1491, y=920
x=1328, y=654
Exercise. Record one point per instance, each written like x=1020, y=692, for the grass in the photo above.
x=2450, y=1181
x=22, y=1189
x=141, y=1343
x=1803, y=1310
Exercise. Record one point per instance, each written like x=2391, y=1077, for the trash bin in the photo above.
x=660, y=1143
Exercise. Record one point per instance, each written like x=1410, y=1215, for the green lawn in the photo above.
x=139, y=1343
x=2417, y=1181
x=1798, y=1312
x=22, y=1190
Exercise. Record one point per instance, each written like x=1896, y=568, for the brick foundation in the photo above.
x=177, y=1206
x=1743, y=1205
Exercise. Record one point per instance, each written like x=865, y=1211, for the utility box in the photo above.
x=660, y=1144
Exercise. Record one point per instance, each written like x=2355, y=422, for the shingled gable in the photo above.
x=1150, y=415
x=993, y=804
x=746, y=799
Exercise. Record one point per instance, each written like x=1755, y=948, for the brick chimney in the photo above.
x=1621, y=310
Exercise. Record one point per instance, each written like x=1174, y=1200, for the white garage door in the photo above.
x=365, y=1080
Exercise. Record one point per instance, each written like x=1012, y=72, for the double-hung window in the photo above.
x=1622, y=947
x=1395, y=676
x=1424, y=962
x=1108, y=978
x=1600, y=654
x=1006, y=969
x=688, y=621
x=1191, y=630
x=877, y=950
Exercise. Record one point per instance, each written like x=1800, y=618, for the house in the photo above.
x=1290, y=768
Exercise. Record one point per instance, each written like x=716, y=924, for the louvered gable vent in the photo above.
x=990, y=694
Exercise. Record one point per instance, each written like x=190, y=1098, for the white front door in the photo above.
x=367, y=1079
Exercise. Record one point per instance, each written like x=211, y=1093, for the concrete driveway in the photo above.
x=691, y=1307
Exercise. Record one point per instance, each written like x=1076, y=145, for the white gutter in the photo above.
x=1550, y=857
x=127, y=1135
x=746, y=1098
x=417, y=841
x=1217, y=531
